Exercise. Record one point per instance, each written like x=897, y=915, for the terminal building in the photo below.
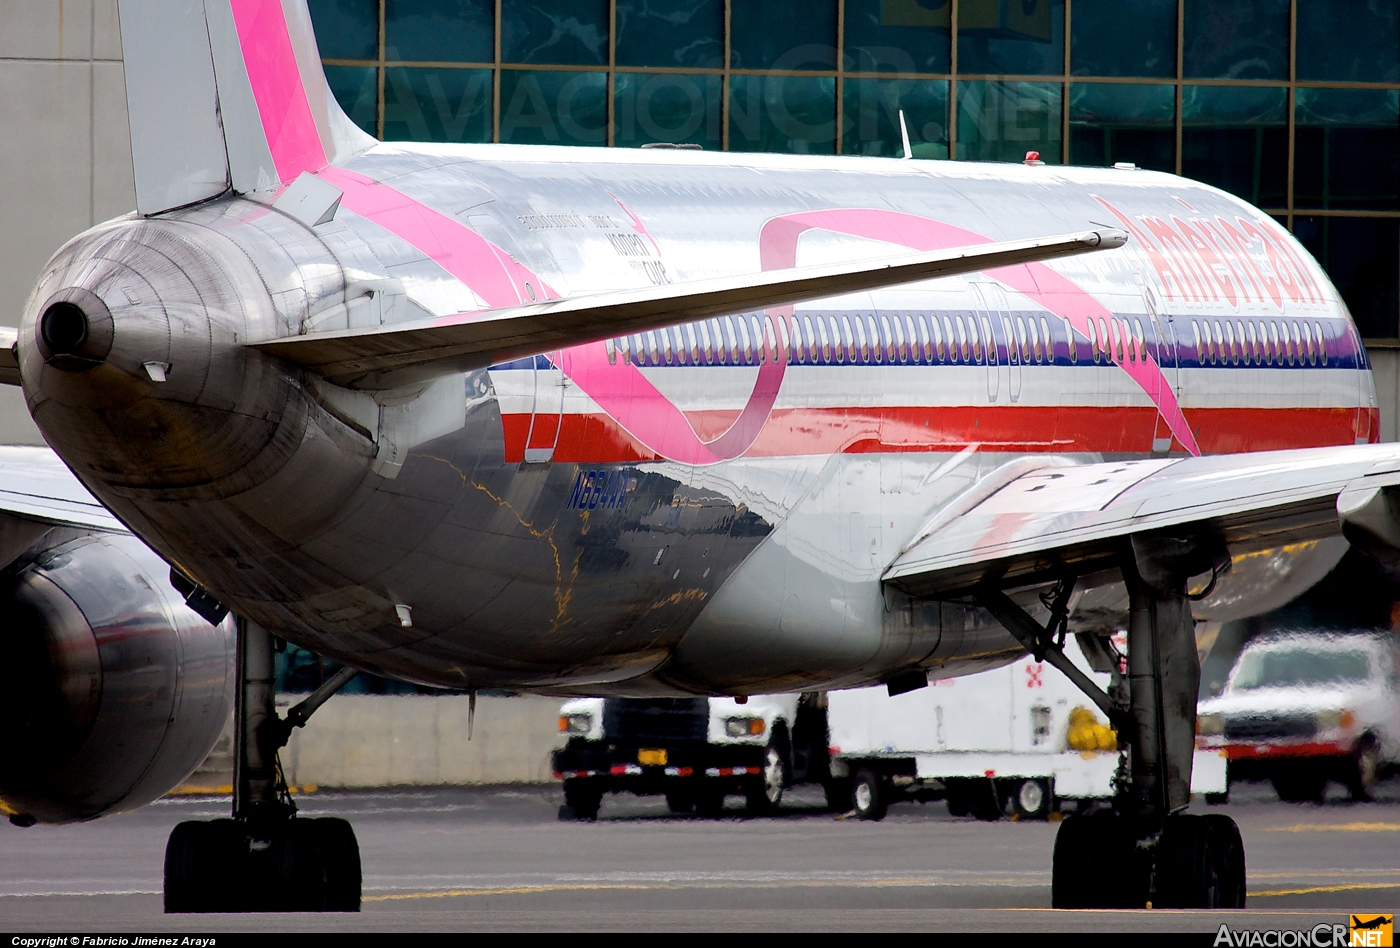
x=1292, y=104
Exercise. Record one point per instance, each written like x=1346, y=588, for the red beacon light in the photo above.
x=1033, y=158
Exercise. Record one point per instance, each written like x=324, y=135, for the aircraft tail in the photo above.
x=226, y=95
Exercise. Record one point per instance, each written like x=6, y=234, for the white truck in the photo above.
x=695, y=751
x=996, y=743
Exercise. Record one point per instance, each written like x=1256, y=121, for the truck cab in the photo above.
x=694, y=751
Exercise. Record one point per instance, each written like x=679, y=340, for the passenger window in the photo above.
x=1072, y=342
x=1047, y=340
x=991, y=341
x=924, y=352
x=904, y=336
x=612, y=351
x=961, y=352
x=1141, y=338
x=1105, y=343
x=1115, y=346
x=976, y=339
x=1093, y=341
x=940, y=352
x=1321, y=344
x=1034, y=340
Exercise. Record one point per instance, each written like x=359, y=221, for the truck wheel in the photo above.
x=582, y=798
x=838, y=794
x=764, y=795
x=1301, y=786
x=709, y=802
x=1365, y=765
x=868, y=795
x=1032, y=799
x=680, y=801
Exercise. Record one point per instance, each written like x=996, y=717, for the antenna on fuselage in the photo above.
x=904, y=135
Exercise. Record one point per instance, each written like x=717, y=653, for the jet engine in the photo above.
x=112, y=689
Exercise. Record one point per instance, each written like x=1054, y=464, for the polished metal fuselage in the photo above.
x=708, y=509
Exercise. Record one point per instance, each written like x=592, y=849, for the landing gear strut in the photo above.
x=1145, y=851
x=266, y=858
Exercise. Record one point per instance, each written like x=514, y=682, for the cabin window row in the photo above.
x=862, y=338
x=957, y=338
x=1260, y=342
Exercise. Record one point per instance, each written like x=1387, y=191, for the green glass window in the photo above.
x=1347, y=149
x=667, y=107
x=1001, y=121
x=1362, y=256
x=767, y=35
x=1236, y=138
x=346, y=29
x=1111, y=122
x=437, y=105
x=870, y=117
x=555, y=32
x=440, y=30
x=554, y=108
x=782, y=113
x=1355, y=41
x=1113, y=38
x=898, y=35
x=1025, y=37
x=1235, y=39
x=354, y=88
x=676, y=33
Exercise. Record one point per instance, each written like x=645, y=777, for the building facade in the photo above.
x=1292, y=104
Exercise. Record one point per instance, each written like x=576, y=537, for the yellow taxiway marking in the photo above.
x=671, y=886
x=1335, y=828
x=1309, y=890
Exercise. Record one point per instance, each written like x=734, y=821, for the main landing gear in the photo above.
x=1144, y=851
x=266, y=858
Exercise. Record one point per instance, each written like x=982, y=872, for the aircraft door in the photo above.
x=547, y=416
x=1003, y=367
x=1163, y=347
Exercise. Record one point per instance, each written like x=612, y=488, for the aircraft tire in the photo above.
x=1304, y=784
x=1200, y=863
x=1096, y=864
x=201, y=862
x=869, y=796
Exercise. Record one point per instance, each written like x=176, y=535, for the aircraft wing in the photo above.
x=1035, y=523
x=36, y=487
x=386, y=356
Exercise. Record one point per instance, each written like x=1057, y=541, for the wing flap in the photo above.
x=35, y=486
x=388, y=356
x=1043, y=524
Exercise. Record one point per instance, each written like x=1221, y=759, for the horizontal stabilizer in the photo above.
x=390, y=356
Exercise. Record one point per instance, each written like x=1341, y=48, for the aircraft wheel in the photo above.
x=1096, y=864
x=340, y=858
x=1200, y=863
x=868, y=796
x=202, y=859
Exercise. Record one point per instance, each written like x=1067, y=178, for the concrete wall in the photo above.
x=1385, y=367
x=65, y=153
x=357, y=741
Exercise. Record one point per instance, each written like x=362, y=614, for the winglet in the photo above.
x=226, y=94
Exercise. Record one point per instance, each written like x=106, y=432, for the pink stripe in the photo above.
x=461, y=251
x=287, y=122
x=778, y=249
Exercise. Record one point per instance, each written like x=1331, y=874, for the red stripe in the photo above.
x=1258, y=751
x=1069, y=429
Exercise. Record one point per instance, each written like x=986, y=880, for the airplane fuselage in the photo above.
x=705, y=508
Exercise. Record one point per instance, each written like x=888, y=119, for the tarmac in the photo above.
x=498, y=859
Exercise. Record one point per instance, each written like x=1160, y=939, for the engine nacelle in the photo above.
x=112, y=690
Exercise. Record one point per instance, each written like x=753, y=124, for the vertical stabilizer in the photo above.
x=226, y=94
x=177, y=143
